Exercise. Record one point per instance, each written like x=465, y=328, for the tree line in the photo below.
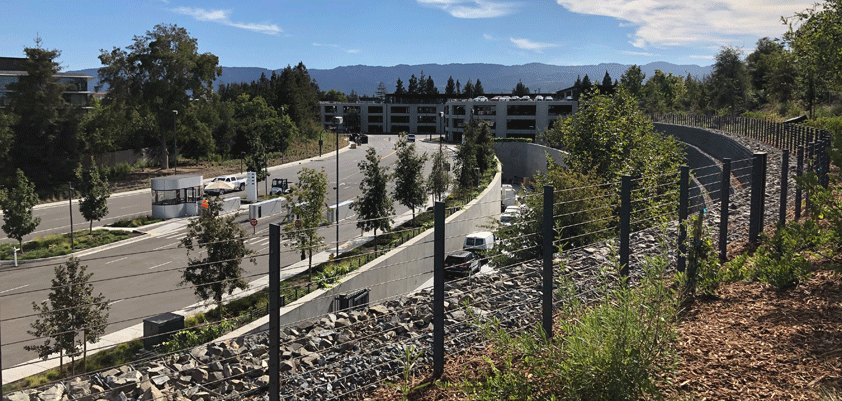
x=160, y=96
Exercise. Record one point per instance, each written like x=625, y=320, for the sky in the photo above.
x=324, y=34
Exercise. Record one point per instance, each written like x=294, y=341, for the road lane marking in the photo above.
x=116, y=260
x=167, y=245
x=112, y=303
x=162, y=264
x=16, y=288
x=263, y=249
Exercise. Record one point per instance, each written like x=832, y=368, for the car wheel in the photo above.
x=242, y=187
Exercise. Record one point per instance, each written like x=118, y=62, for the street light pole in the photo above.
x=175, y=138
x=70, y=193
x=338, y=121
x=441, y=125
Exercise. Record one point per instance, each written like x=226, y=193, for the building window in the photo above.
x=427, y=119
x=459, y=110
x=457, y=122
x=375, y=129
x=485, y=110
x=330, y=110
x=375, y=119
x=400, y=128
x=400, y=110
x=520, y=124
x=491, y=124
x=400, y=119
x=329, y=118
x=427, y=129
x=375, y=109
x=347, y=109
x=426, y=110
x=526, y=110
x=560, y=109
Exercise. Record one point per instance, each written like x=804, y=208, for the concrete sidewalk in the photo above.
x=37, y=366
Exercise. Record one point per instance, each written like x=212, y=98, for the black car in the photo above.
x=461, y=263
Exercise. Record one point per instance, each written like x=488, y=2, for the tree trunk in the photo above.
x=85, y=350
x=165, y=159
x=91, y=228
x=375, y=242
x=60, y=362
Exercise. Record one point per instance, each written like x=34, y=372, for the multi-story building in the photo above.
x=11, y=69
x=442, y=115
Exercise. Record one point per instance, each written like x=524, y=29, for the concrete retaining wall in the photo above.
x=266, y=208
x=402, y=269
x=521, y=159
x=716, y=145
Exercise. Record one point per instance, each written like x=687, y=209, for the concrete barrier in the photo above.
x=344, y=211
x=230, y=205
x=716, y=145
x=402, y=269
x=521, y=159
x=266, y=208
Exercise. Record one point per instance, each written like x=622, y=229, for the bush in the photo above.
x=780, y=260
x=617, y=349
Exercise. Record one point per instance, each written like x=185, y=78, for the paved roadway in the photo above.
x=128, y=274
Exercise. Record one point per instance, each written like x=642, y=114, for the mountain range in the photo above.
x=496, y=78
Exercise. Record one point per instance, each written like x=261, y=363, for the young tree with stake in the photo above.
x=307, y=204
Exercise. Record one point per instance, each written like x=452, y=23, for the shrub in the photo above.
x=780, y=260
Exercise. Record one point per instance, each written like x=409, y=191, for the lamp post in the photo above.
x=441, y=125
x=70, y=198
x=175, y=138
x=338, y=121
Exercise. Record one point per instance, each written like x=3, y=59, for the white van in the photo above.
x=482, y=240
x=507, y=196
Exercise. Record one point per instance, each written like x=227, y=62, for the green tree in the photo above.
x=307, y=204
x=399, y=89
x=71, y=307
x=450, y=89
x=468, y=90
x=587, y=85
x=413, y=85
x=17, y=204
x=222, y=242
x=94, y=192
x=478, y=90
x=333, y=96
x=632, y=81
x=254, y=117
x=45, y=145
x=607, y=86
x=729, y=80
x=662, y=92
x=430, y=87
x=298, y=94
x=381, y=91
x=439, y=180
x=409, y=176
x=466, y=156
x=520, y=89
x=374, y=207
x=157, y=74
x=256, y=157
x=7, y=136
x=100, y=128
x=353, y=121
x=458, y=88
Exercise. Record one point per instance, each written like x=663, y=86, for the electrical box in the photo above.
x=251, y=186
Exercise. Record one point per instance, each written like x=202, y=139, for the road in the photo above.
x=141, y=278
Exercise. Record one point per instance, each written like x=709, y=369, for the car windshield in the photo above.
x=507, y=219
x=455, y=260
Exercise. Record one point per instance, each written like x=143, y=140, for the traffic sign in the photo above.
x=253, y=222
x=297, y=223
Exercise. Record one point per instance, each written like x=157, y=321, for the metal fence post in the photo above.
x=724, y=201
x=683, y=201
x=625, y=224
x=784, y=185
x=755, y=223
x=438, y=290
x=547, y=287
x=799, y=170
x=811, y=149
x=274, y=309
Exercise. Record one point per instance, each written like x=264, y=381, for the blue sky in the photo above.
x=330, y=33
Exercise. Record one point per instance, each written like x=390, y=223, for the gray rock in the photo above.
x=152, y=394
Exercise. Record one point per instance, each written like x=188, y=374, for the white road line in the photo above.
x=16, y=288
x=167, y=245
x=116, y=260
x=112, y=303
x=162, y=264
x=261, y=251
x=261, y=243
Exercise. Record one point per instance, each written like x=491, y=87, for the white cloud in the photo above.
x=223, y=17
x=335, y=46
x=661, y=23
x=647, y=54
x=473, y=8
x=527, y=44
x=487, y=36
x=710, y=57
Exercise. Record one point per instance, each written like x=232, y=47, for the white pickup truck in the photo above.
x=238, y=184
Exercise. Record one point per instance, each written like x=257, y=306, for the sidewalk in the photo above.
x=37, y=366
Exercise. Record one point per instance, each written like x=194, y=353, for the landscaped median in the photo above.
x=60, y=244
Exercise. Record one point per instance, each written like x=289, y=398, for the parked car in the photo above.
x=237, y=184
x=479, y=241
x=507, y=219
x=410, y=137
x=461, y=263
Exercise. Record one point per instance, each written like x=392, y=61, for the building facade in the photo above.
x=11, y=69
x=438, y=115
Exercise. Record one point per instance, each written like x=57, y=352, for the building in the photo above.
x=439, y=114
x=11, y=68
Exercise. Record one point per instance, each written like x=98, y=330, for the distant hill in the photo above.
x=495, y=77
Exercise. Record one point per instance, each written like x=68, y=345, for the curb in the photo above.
x=84, y=252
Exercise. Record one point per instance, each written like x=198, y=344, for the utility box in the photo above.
x=251, y=186
x=160, y=328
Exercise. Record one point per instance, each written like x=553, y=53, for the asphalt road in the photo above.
x=141, y=278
